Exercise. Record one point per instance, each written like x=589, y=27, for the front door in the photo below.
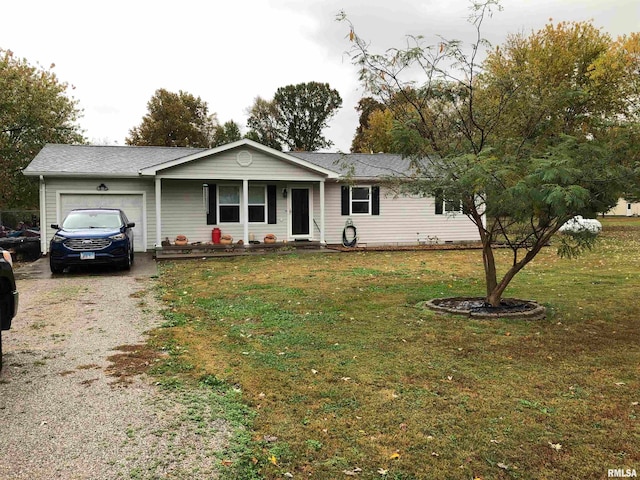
x=300, y=212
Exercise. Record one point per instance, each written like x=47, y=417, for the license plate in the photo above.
x=87, y=255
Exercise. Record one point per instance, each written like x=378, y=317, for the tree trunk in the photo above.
x=495, y=290
x=490, y=274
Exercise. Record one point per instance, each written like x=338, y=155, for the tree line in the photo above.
x=294, y=119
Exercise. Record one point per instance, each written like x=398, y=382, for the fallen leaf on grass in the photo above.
x=503, y=466
x=314, y=371
x=382, y=471
x=273, y=459
x=619, y=384
x=288, y=475
x=353, y=472
x=226, y=463
x=270, y=438
x=556, y=446
x=394, y=456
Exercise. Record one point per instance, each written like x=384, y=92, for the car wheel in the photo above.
x=132, y=256
x=55, y=268
x=126, y=265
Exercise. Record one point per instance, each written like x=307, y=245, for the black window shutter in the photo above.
x=375, y=200
x=271, y=204
x=439, y=199
x=345, y=200
x=212, y=218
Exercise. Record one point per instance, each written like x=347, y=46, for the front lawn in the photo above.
x=347, y=377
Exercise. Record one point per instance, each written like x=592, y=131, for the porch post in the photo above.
x=44, y=245
x=245, y=210
x=158, y=212
x=322, y=240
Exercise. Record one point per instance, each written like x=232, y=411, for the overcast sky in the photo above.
x=118, y=53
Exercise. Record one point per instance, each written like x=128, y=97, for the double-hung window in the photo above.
x=444, y=205
x=360, y=200
x=257, y=204
x=229, y=203
x=452, y=206
x=223, y=203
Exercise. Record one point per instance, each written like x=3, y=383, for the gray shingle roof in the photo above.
x=360, y=165
x=57, y=159
x=101, y=160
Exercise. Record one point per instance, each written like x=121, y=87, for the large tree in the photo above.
x=226, y=133
x=34, y=110
x=521, y=140
x=366, y=106
x=175, y=120
x=262, y=123
x=296, y=116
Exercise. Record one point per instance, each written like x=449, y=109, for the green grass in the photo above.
x=332, y=367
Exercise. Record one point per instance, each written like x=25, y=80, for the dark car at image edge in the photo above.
x=8, y=294
x=96, y=236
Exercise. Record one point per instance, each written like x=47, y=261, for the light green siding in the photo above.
x=238, y=164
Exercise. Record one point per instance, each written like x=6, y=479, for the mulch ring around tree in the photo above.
x=475, y=307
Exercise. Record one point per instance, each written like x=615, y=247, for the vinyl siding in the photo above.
x=621, y=209
x=226, y=165
x=402, y=221
x=80, y=185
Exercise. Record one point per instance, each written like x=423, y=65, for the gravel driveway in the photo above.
x=61, y=415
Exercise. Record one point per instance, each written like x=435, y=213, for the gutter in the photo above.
x=80, y=174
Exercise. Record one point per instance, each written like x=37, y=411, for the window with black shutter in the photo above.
x=360, y=200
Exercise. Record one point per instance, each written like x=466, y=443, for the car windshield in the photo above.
x=78, y=220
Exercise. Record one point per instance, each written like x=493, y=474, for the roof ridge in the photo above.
x=164, y=147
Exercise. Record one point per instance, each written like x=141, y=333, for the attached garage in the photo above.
x=132, y=204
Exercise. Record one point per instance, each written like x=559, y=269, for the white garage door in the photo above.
x=130, y=204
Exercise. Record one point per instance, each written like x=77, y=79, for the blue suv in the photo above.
x=92, y=236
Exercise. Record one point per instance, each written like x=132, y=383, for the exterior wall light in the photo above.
x=102, y=188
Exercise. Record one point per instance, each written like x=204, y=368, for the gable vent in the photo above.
x=244, y=158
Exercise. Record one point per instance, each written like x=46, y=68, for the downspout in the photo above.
x=245, y=211
x=43, y=216
x=158, y=195
x=322, y=214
